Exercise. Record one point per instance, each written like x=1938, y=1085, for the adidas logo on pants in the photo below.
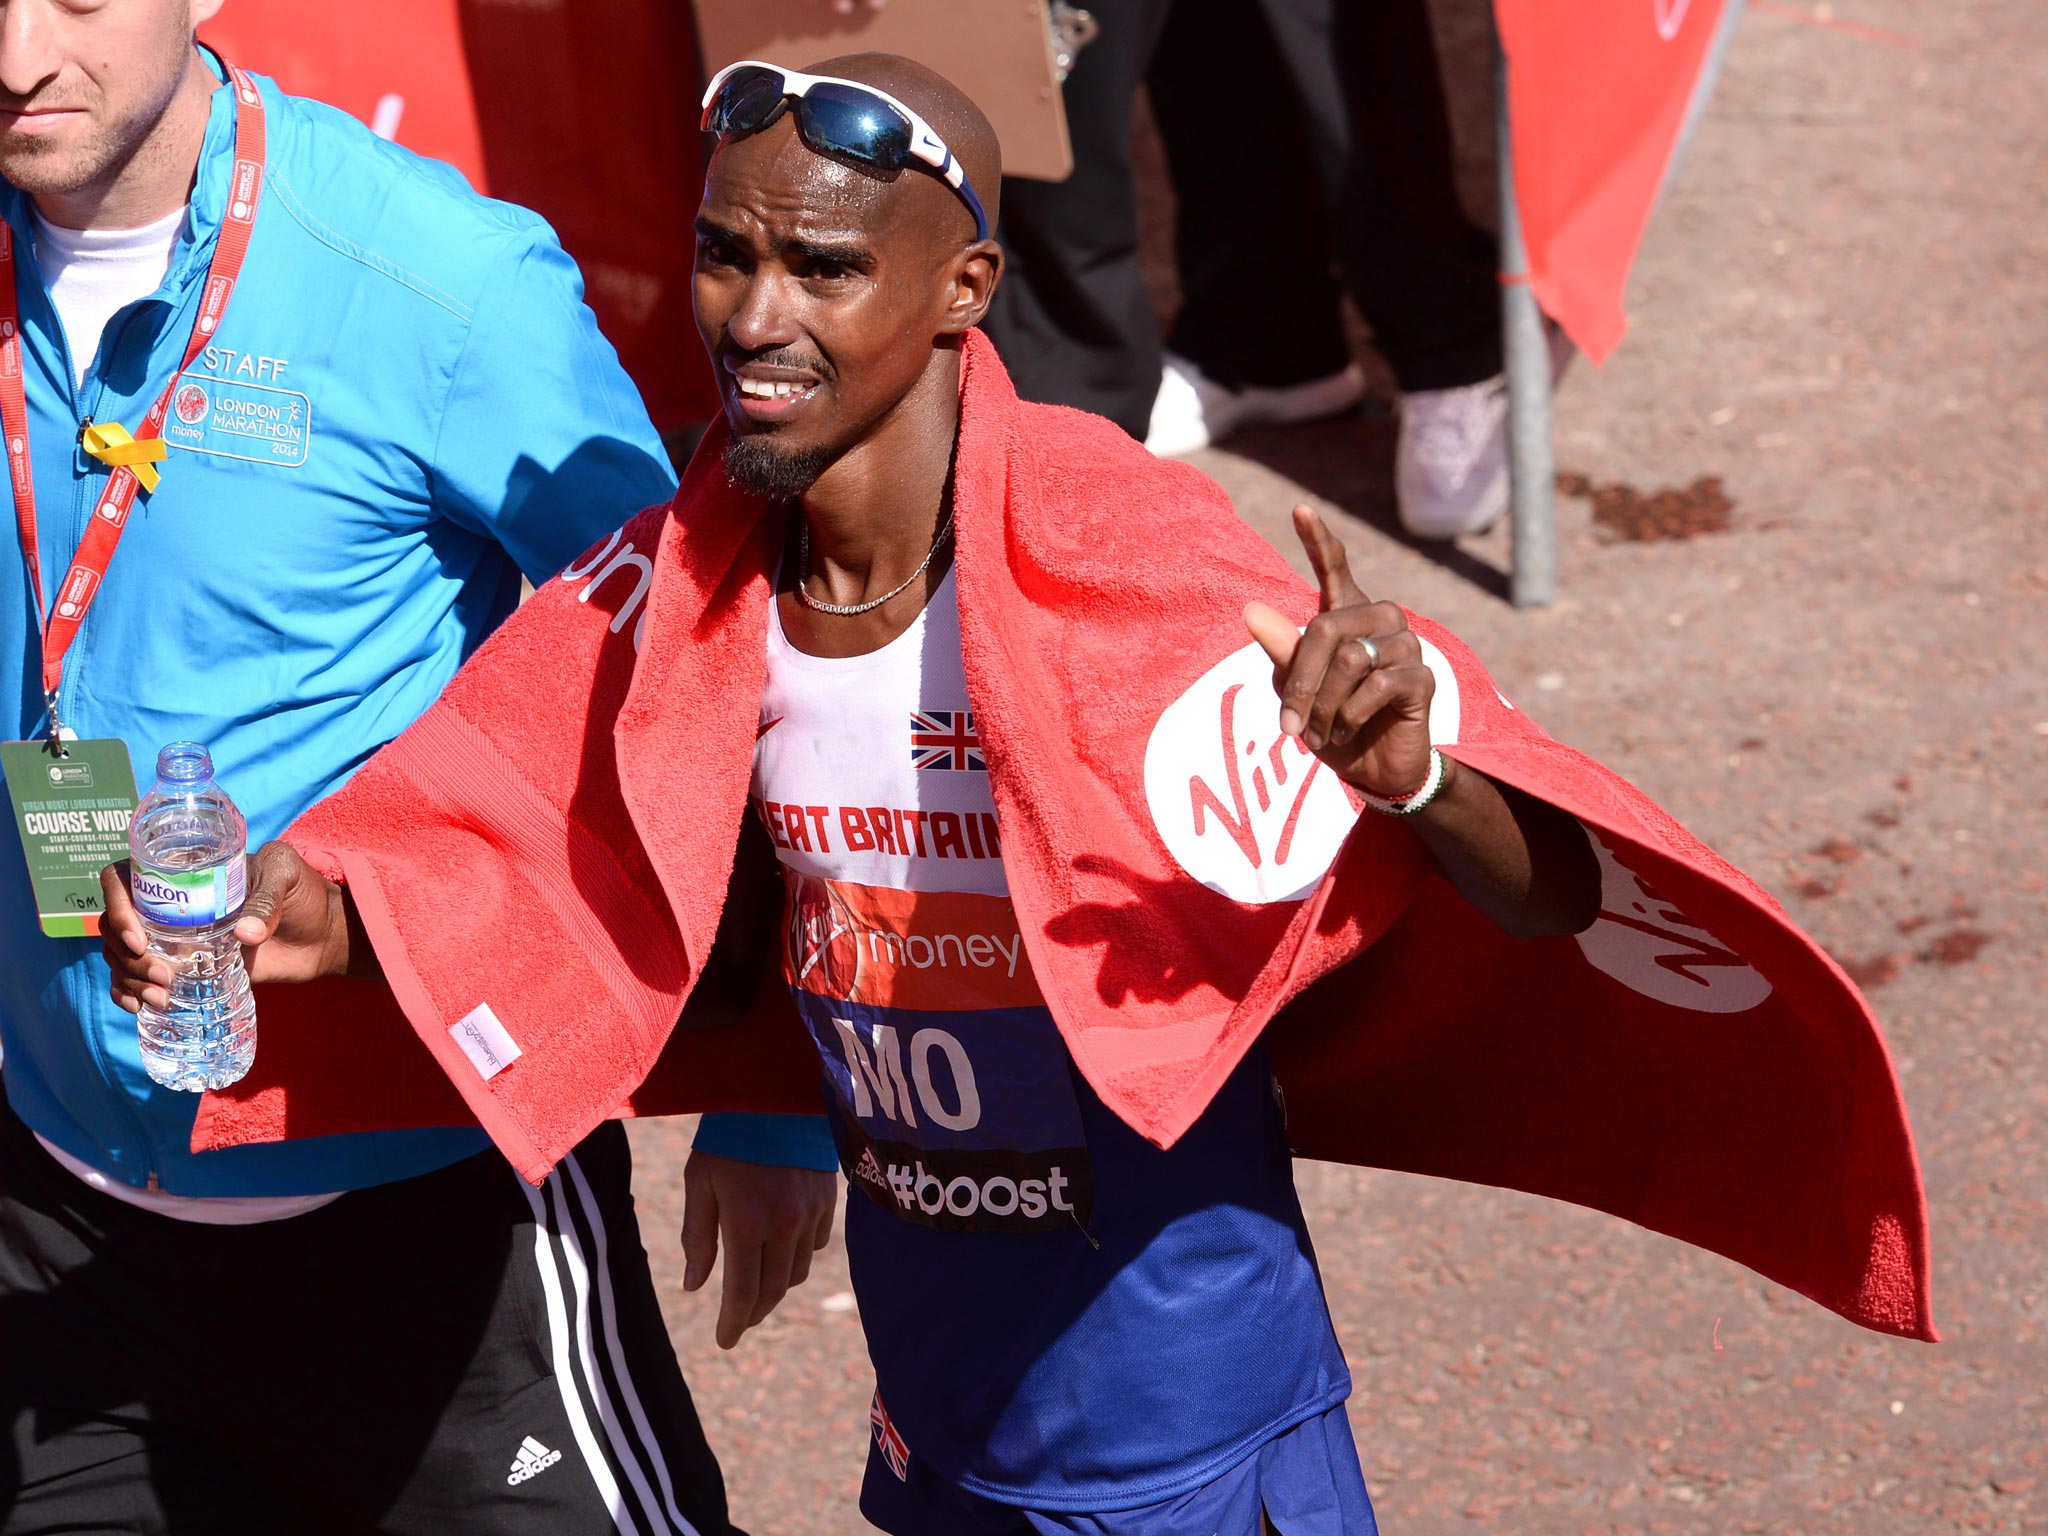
x=532, y=1460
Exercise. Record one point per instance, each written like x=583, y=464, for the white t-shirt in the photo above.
x=210, y=1210
x=93, y=273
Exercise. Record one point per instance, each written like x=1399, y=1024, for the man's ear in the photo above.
x=976, y=272
x=204, y=11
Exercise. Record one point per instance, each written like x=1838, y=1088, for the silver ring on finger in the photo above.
x=1372, y=652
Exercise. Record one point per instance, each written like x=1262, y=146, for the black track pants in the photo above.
x=453, y=1353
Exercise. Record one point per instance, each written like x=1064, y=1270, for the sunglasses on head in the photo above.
x=840, y=118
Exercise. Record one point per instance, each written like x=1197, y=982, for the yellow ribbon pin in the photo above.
x=109, y=442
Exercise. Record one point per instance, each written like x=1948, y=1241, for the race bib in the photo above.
x=949, y=1075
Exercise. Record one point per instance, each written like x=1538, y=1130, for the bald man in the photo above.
x=1023, y=1361
x=1073, y=1329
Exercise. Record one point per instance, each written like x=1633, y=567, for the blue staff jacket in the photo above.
x=407, y=406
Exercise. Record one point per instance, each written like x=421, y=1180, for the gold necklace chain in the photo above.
x=847, y=610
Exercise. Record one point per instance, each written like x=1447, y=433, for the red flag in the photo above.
x=585, y=114
x=1598, y=92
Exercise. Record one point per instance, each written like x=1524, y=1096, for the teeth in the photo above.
x=763, y=389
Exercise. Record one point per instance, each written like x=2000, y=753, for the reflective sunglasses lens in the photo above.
x=748, y=102
x=843, y=120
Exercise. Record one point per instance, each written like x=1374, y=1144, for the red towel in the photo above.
x=543, y=859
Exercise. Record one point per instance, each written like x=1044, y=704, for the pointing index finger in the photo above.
x=1327, y=555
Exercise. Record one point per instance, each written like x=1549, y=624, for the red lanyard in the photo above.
x=110, y=516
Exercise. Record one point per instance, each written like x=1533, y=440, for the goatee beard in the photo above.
x=759, y=469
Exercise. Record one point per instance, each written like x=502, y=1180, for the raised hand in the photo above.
x=293, y=927
x=1353, y=685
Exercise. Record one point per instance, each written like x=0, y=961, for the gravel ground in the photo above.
x=1837, y=371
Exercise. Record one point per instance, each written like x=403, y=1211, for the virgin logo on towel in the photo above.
x=1247, y=811
x=1651, y=947
x=639, y=571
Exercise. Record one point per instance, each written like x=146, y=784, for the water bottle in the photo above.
x=186, y=847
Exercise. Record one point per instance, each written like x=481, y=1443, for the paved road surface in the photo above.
x=1840, y=318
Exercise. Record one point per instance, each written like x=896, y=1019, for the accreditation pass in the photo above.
x=72, y=805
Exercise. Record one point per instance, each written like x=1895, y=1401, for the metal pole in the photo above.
x=1703, y=87
x=1532, y=467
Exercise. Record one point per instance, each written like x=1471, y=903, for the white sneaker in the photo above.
x=1192, y=410
x=1451, y=459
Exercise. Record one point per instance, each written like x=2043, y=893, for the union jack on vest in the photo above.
x=945, y=739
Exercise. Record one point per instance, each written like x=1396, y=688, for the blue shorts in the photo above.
x=1307, y=1482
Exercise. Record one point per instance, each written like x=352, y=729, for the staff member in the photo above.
x=289, y=411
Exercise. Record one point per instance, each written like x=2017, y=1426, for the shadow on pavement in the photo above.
x=1348, y=461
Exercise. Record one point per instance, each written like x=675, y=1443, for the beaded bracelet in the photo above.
x=1416, y=799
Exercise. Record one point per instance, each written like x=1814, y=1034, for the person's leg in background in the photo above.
x=1419, y=270
x=1421, y=273
x=1072, y=319
x=1260, y=332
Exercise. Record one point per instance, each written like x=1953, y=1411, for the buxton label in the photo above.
x=189, y=898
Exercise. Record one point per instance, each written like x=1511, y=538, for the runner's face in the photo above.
x=818, y=293
x=84, y=82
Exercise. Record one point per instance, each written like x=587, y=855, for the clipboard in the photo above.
x=1000, y=52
